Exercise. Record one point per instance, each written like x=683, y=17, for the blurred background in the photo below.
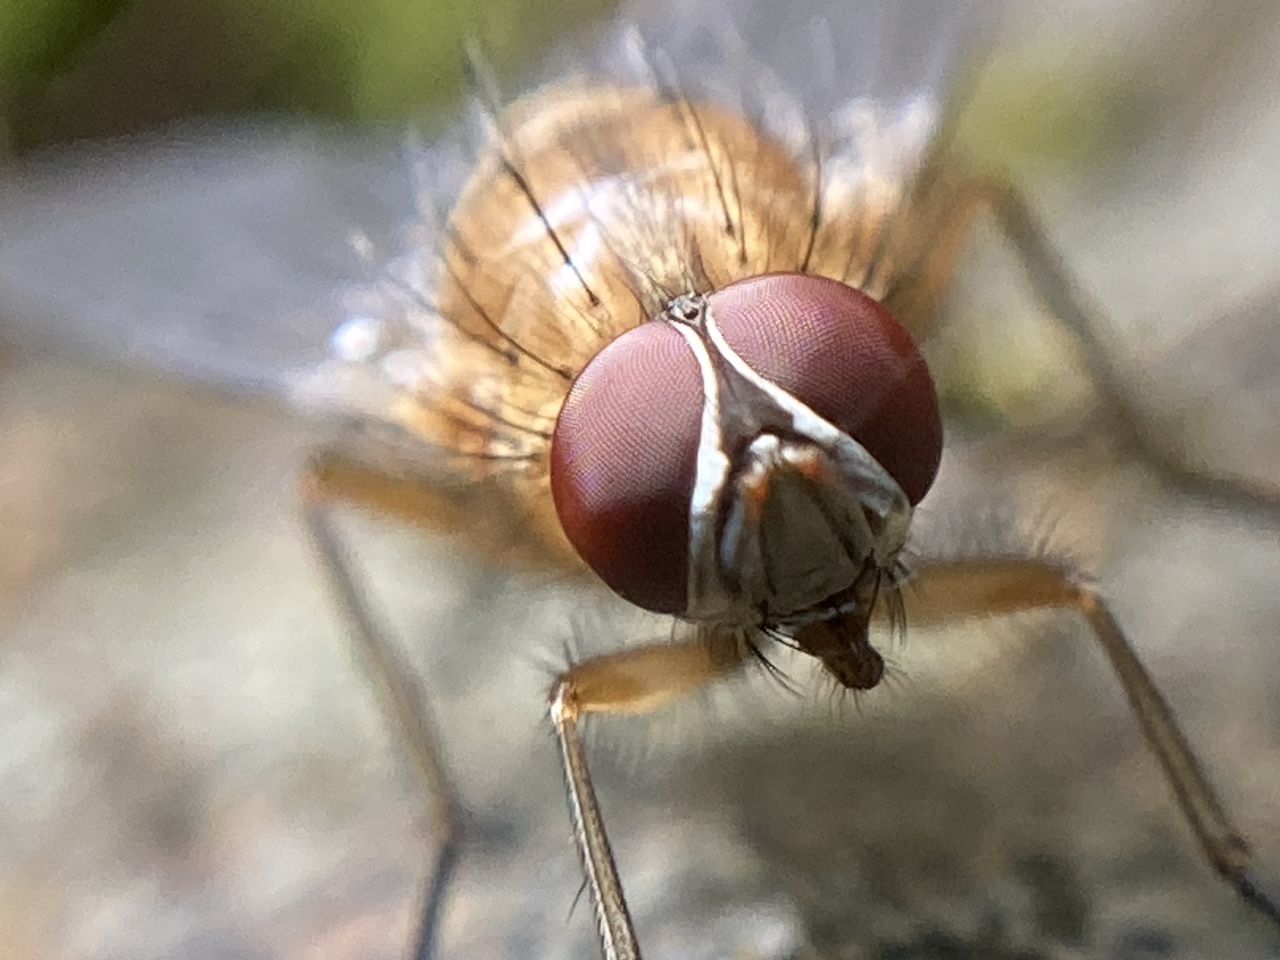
x=91, y=69
x=191, y=765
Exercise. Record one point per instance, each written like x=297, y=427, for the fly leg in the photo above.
x=1062, y=296
x=1069, y=306
x=326, y=483
x=951, y=592
x=635, y=681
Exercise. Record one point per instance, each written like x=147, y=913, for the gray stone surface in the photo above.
x=191, y=766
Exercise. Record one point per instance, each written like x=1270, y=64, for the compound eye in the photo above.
x=844, y=356
x=623, y=458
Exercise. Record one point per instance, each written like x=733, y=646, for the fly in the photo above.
x=677, y=334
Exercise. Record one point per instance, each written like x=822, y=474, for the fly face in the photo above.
x=782, y=509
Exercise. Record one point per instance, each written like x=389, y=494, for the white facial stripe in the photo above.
x=706, y=595
x=876, y=488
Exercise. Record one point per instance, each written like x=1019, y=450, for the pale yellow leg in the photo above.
x=634, y=681
x=946, y=593
x=403, y=699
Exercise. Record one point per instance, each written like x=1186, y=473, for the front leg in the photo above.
x=634, y=681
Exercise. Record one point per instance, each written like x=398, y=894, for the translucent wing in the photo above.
x=209, y=252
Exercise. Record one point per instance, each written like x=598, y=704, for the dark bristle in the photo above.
x=526, y=188
x=703, y=143
x=418, y=299
x=480, y=78
x=815, y=212
x=498, y=419
x=499, y=332
x=771, y=669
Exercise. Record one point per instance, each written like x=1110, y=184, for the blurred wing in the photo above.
x=828, y=53
x=210, y=252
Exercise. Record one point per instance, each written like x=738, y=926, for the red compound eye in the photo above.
x=624, y=452
x=622, y=464
x=844, y=356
